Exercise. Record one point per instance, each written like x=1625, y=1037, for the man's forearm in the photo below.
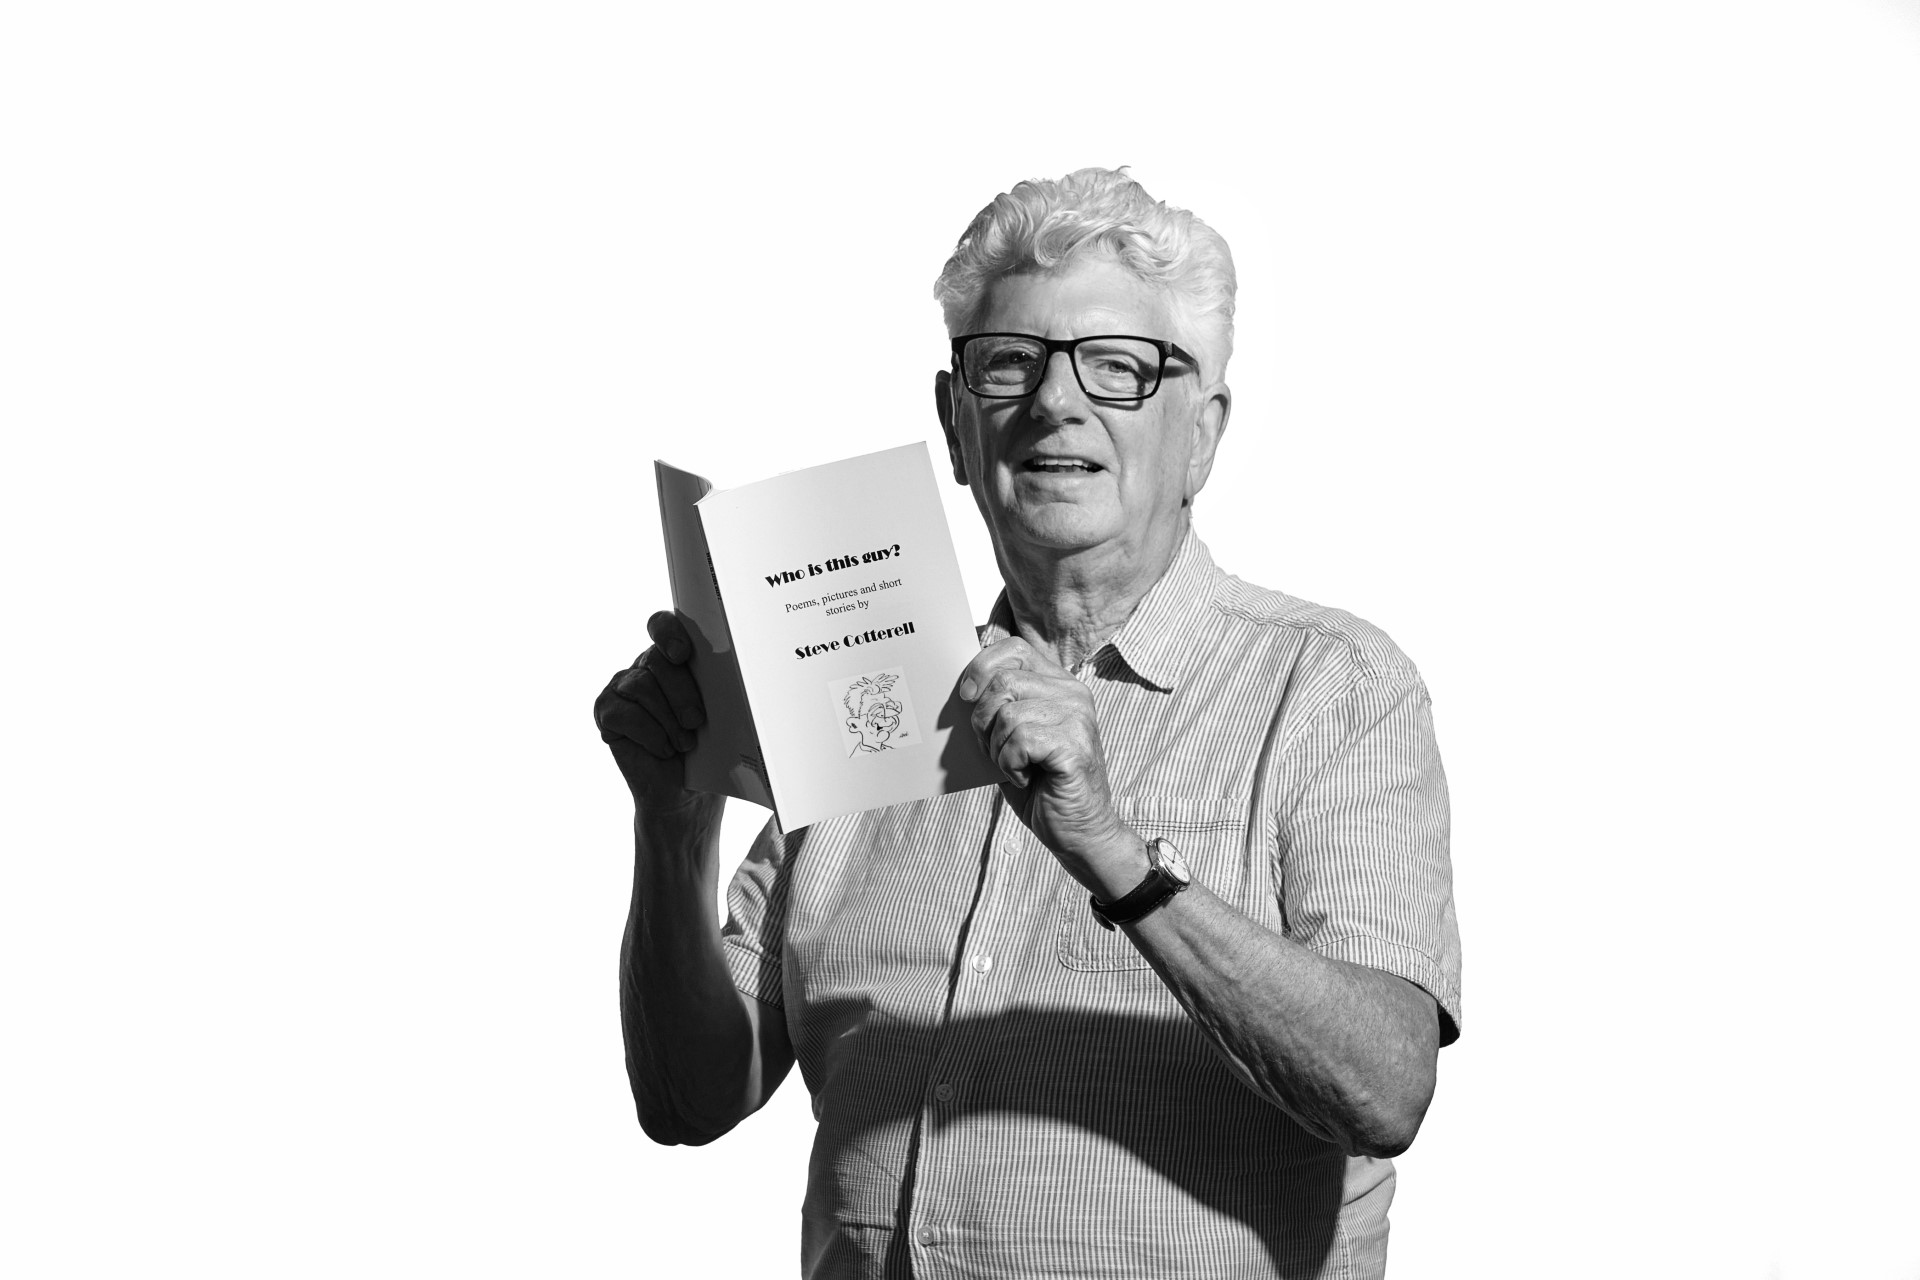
x=1347, y=1051
x=691, y=1056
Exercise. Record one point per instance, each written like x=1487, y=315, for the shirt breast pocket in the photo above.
x=1210, y=834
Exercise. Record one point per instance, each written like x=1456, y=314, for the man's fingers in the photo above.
x=682, y=693
x=620, y=719
x=1042, y=728
x=641, y=687
x=986, y=706
x=1027, y=712
x=1014, y=684
x=1020, y=735
x=1013, y=764
x=999, y=742
x=1013, y=653
x=1026, y=736
x=670, y=634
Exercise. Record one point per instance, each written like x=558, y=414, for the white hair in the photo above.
x=875, y=690
x=1041, y=224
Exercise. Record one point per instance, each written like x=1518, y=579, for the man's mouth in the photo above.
x=1061, y=466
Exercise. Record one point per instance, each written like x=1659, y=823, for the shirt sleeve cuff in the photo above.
x=1404, y=962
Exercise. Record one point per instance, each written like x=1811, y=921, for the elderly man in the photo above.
x=1166, y=1001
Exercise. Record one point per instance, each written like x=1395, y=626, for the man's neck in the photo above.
x=1068, y=605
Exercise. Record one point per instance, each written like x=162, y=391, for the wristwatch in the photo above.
x=1167, y=875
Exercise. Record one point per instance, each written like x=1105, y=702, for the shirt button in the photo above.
x=927, y=1235
x=982, y=964
x=943, y=1091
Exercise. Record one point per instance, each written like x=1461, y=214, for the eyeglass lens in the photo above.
x=1115, y=368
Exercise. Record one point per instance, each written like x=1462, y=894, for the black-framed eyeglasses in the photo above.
x=1111, y=367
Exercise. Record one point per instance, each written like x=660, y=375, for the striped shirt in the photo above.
x=1003, y=1087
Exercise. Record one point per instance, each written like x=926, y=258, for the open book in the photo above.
x=830, y=627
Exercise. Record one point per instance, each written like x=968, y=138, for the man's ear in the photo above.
x=1208, y=427
x=943, y=405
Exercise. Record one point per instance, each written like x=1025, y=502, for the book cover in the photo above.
x=833, y=597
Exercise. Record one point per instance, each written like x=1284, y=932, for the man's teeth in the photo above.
x=1059, y=464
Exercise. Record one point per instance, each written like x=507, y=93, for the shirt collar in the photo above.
x=1157, y=642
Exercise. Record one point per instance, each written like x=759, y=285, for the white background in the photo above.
x=1577, y=349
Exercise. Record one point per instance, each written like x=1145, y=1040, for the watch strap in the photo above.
x=1145, y=897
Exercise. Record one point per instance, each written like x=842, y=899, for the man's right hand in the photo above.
x=648, y=713
x=700, y=1054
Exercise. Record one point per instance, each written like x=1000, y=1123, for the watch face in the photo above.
x=1168, y=859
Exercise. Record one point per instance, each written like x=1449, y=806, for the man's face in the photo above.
x=876, y=722
x=1059, y=471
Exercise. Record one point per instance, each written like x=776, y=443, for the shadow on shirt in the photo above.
x=1051, y=1140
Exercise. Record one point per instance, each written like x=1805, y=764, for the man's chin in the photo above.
x=1059, y=526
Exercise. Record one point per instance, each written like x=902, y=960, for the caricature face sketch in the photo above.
x=872, y=714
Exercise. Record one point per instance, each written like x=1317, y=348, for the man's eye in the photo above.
x=1118, y=367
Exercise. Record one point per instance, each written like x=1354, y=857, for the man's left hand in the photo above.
x=1036, y=722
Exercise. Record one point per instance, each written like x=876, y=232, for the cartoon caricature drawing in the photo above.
x=872, y=713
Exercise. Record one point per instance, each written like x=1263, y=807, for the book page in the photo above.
x=726, y=756
x=850, y=625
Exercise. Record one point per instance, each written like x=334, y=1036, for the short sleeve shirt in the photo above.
x=1005, y=1088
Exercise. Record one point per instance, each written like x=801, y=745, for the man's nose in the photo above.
x=1058, y=398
